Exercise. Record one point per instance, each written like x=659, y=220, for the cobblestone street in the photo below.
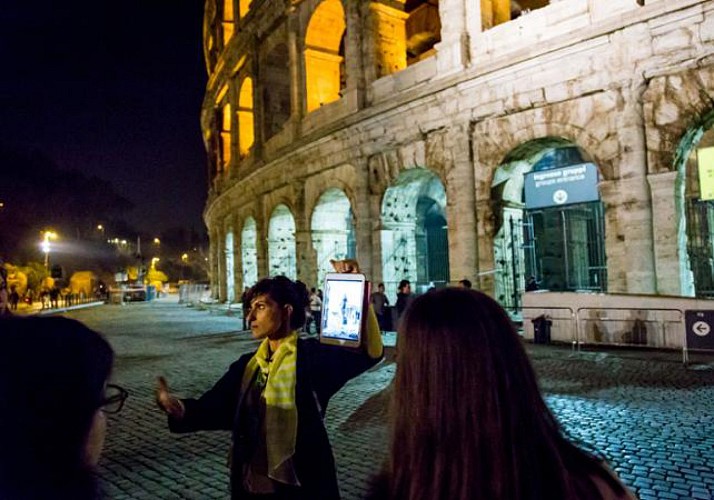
x=647, y=414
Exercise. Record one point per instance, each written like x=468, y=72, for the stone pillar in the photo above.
x=296, y=95
x=238, y=257
x=261, y=241
x=634, y=213
x=364, y=221
x=354, y=65
x=220, y=265
x=214, y=248
x=387, y=48
x=452, y=52
x=460, y=207
x=673, y=274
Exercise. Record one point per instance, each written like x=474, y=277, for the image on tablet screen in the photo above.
x=342, y=315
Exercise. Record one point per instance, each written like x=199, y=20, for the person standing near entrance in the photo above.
x=274, y=400
x=404, y=297
x=379, y=301
x=315, y=305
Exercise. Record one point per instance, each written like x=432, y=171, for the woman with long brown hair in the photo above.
x=469, y=421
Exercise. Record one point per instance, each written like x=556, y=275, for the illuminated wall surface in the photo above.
x=401, y=133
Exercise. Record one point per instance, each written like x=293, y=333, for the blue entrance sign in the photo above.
x=700, y=329
x=561, y=186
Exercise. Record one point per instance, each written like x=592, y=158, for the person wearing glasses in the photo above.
x=273, y=400
x=53, y=399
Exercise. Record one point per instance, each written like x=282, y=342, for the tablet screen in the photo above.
x=343, y=308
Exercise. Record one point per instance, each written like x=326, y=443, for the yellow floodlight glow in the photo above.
x=705, y=164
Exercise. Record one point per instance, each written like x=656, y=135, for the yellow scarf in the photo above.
x=280, y=411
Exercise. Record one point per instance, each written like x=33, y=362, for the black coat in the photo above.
x=321, y=371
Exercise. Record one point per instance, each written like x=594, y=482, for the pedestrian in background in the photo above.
x=53, y=394
x=274, y=400
x=469, y=421
x=465, y=283
x=379, y=302
x=404, y=297
x=4, y=297
x=315, y=305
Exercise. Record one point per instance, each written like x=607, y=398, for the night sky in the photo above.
x=113, y=89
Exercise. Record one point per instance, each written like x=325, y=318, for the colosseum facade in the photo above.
x=436, y=140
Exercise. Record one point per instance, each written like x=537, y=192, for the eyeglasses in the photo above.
x=114, y=397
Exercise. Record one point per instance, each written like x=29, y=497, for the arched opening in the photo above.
x=228, y=23
x=230, y=267
x=332, y=230
x=249, y=252
x=246, y=132
x=225, y=137
x=423, y=29
x=324, y=55
x=695, y=195
x=243, y=7
x=414, y=237
x=549, y=221
x=495, y=12
x=282, y=258
x=276, y=90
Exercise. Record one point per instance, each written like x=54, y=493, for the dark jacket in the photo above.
x=321, y=371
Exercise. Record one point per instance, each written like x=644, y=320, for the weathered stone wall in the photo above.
x=625, y=84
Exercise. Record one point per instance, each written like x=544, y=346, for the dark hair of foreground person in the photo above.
x=469, y=421
x=53, y=373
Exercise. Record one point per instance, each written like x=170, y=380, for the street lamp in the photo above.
x=46, y=247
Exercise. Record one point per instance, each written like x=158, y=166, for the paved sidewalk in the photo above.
x=649, y=415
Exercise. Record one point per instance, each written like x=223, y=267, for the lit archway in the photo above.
x=324, y=54
x=414, y=236
x=246, y=132
x=230, y=267
x=282, y=258
x=495, y=12
x=249, y=252
x=549, y=221
x=243, y=7
x=228, y=23
x=423, y=29
x=332, y=230
x=695, y=198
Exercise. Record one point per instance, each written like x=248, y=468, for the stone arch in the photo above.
x=246, y=125
x=414, y=235
x=332, y=229
x=325, y=77
x=282, y=253
x=677, y=112
x=572, y=256
x=275, y=98
x=496, y=146
x=249, y=251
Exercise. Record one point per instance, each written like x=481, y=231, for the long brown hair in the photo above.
x=469, y=421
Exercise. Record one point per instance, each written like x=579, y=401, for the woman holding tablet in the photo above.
x=274, y=400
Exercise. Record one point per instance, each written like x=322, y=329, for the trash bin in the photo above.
x=541, y=329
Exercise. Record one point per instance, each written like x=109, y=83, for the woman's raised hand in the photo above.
x=345, y=266
x=166, y=402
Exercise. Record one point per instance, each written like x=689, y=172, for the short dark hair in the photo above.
x=466, y=283
x=52, y=376
x=284, y=291
x=403, y=283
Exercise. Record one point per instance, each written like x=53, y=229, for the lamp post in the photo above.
x=46, y=247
